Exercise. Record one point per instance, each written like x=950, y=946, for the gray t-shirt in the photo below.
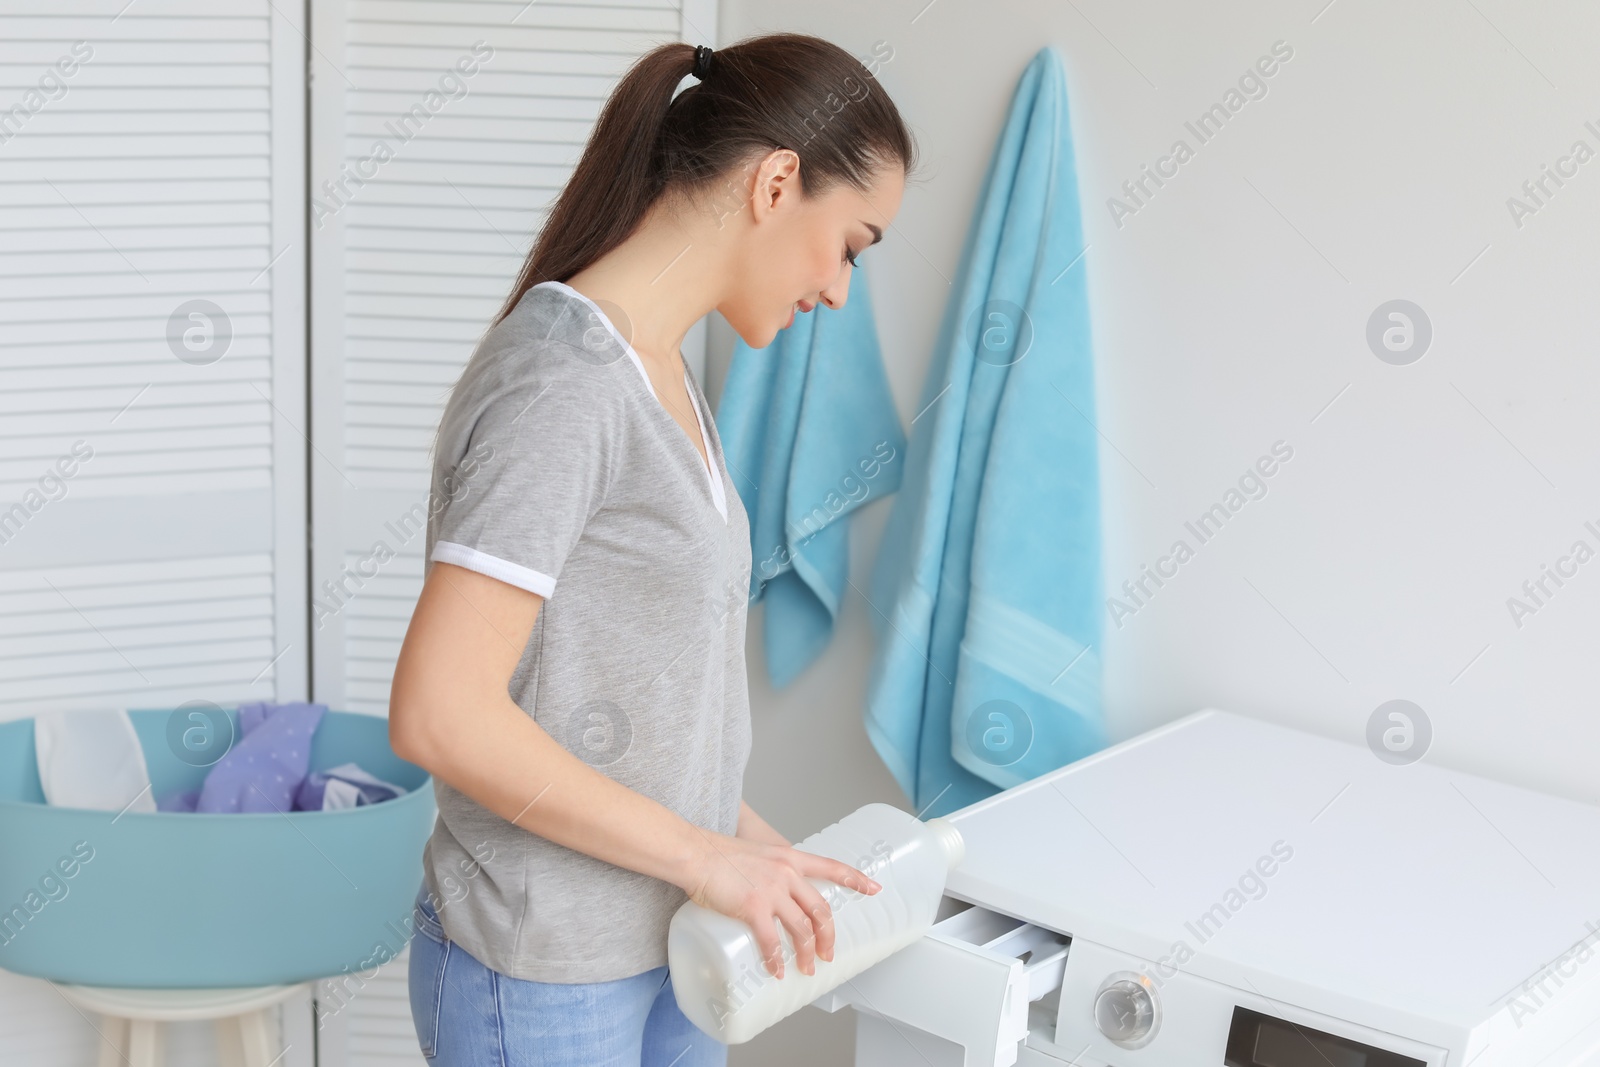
x=558, y=470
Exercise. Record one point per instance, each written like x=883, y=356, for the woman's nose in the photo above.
x=834, y=295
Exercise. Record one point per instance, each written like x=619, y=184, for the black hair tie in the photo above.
x=702, y=61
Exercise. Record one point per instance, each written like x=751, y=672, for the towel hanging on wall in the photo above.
x=987, y=671
x=810, y=433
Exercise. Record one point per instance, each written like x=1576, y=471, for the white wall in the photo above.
x=1230, y=312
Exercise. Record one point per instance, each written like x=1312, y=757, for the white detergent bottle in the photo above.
x=718, y=976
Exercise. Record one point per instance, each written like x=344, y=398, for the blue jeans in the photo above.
x=468, y=1015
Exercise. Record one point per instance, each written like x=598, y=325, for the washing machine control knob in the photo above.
x=1126, y=1009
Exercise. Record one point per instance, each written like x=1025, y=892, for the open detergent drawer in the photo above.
x=963, y=995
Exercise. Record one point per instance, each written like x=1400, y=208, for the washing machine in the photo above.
x=1228, y=892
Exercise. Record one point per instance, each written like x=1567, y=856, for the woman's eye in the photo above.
x=850, y=256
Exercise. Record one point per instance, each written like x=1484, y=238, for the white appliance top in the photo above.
x=1409, y=889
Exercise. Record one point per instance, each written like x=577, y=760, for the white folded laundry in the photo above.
x=92, y=759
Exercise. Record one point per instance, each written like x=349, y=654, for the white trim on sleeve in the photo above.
x=495, y=567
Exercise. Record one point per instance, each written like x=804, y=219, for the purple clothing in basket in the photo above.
x=344, y=786
x=265, y=765
x=182, y=800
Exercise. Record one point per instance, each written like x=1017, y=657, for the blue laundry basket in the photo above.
x=180, y=900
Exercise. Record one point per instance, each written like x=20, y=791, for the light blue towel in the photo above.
x=810, y=433
x=987, y=671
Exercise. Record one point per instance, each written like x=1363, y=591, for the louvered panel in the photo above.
x=246, y=121
x=529, y=106
x=379, y=264
x=161, y=632
x=27, y=336
x=127, y=104
x=390, y=97
x=190, y=214
x=402, y=284
x=417, y=251
x=366, y=1021
x=32, y=385
x=418, y=247
x=409, y=266
x=218, y=75
x=131, y=240
x=40, y=287
x=165, y=266
x=414, y=194
x=444, y=219
x=77, y=305
x=163, y=560
x=141, y=169
x=542, y=178
x=60, y=145
x=41, y=1030
x=376, y=622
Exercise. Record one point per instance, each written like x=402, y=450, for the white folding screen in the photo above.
x=441, y=131
x=152, y=381
x=155, y=228
x=151, y=327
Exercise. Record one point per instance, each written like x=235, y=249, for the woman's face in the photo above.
x=794, y=252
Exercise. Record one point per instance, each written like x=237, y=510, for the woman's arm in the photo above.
x=753, y=827
x=451, y=714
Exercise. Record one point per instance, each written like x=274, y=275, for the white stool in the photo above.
x=132, y=1029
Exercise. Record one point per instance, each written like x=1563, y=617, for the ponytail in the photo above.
x=781, y=90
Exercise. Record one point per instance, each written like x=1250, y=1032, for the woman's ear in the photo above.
x=777, y=176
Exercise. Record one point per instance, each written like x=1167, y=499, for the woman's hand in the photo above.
x=756, y=882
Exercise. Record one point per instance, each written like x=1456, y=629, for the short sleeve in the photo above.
x=536, y=468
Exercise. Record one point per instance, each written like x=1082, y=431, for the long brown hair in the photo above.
x=780, y=90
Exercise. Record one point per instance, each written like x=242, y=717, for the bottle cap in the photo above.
x=949, y=839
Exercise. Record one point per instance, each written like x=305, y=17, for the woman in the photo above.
x=588, y=754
